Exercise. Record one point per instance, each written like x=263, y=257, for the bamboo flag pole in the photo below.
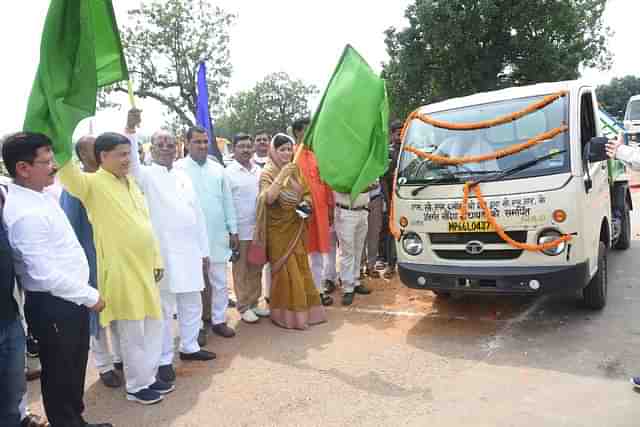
x=132, y=100
x=296, y=157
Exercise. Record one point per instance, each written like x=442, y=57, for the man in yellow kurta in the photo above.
x=128, y=261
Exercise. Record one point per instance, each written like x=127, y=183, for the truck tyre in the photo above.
x=595, y=294
x=624, y=240
x=442, y=294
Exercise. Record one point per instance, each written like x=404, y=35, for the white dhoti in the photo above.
x=104, y=355
x=351, y=229
x=141, y=347
x=188, y=306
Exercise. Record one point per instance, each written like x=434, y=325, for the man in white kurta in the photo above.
x=178, y=223
x=213, y=192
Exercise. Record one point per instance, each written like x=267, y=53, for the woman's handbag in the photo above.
x=257, y=254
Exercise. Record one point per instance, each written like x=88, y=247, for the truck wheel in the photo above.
x=595, y=294
x=624, y=240
x=442, y=294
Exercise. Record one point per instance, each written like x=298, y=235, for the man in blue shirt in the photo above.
x=106, y=363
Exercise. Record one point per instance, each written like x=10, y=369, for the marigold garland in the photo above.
x=485, y=124
x=499, y=230
x=514, y=149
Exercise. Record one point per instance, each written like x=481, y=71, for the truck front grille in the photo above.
x=487, y=254
x=464, y=238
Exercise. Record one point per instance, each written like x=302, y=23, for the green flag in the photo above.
x=80, y=51
x=349, y=132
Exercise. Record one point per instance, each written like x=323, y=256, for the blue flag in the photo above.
x=202, y=111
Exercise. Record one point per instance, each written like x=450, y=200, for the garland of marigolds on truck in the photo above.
x=468, y=186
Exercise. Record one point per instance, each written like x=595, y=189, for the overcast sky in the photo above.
x=301, y=37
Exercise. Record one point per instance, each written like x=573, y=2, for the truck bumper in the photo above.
x=494, y=280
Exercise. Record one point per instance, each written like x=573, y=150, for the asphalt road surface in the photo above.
x=403, y=358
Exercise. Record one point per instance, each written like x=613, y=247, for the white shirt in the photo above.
x=244, y=184
x=629, y=155
x=260, y=161
x=47, y=254
x=178, y=223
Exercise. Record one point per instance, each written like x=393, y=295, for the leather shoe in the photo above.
x=362, y=290
x=223, y=330
x=111, y=379
x=166, y=374
x=347, y=299
x=329, y=286
x=202, y=337
x=201, y=355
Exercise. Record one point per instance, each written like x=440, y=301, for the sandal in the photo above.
x=388, y=274
x=374, y=274
x=326, y=300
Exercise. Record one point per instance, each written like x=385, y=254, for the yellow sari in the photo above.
x=294, y=301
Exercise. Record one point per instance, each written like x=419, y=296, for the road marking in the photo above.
x=497, y=342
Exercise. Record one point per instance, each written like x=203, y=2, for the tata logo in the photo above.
x=474, y=247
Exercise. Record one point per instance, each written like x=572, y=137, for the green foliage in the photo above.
x=165, y=41
x=459, y=47
x=613, y=97
x=272, y=105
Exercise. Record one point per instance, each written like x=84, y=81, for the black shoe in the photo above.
x=202, y=337
x=118, y=366
x=329, y=286
x=223, y=330
x=232, y=303
x=362, y=290
x=326, y=300
x=347, y=298
x=162, y=387
x=202, y=355
x=166, y=374
x=110, y=379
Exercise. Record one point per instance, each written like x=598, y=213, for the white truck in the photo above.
x=559, y=202
x=632, y=120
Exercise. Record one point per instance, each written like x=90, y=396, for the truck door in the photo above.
x=595, y=179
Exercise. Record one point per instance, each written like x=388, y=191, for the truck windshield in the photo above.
x=633, y=110
x=456, y=143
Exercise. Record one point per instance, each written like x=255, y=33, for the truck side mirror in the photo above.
x=597, y=149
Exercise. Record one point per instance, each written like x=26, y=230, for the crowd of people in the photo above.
x=127, y=248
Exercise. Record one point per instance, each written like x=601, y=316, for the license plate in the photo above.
x=469, y=226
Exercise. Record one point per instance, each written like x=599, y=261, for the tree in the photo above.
x=271, y=105
x=164, y=45
x=613, y=97
x=459, y=47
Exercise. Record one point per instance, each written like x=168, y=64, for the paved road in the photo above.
x=401, y=357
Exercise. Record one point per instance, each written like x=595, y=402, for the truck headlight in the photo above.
x=550, y=235
x=412, y=244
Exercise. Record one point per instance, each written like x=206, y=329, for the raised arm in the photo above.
x=76, y=182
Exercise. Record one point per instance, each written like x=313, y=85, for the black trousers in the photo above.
x=62, y=329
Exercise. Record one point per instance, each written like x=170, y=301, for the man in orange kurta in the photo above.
x=320, y=241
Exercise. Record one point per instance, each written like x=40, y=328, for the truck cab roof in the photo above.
x=504, y=94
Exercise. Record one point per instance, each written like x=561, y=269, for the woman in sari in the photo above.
x=295, y=302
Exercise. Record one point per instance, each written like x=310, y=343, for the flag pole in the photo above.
x=132, y=100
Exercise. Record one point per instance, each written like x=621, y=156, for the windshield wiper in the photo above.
x=520, y=168
x=454, y=177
